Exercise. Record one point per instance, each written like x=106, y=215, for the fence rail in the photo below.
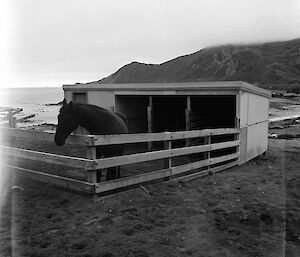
x=162, y=154
x=75, y=162
x=167, y=173
x=164, y=136
x=91, y=164
x=86, y=140
x=73, y=184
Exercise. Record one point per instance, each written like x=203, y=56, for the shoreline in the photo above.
x=41, y=114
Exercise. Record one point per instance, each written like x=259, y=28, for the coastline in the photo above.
x=41, y=114
x=44, y=103
x=281, y=108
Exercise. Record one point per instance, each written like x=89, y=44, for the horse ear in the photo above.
x=64, y=101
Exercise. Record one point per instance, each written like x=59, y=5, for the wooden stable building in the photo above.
x=159, y=107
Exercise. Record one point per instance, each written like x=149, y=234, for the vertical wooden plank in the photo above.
x=236, y=137
x=92, y=175
x=149, y=118
x=207, y=141
x=238, y=109
x=188, y=102
x=149, y=114
x=187, y=113
x=238, y=118
x=168, y=162
x=243, y=145
x=12, y=123
x=187, y=117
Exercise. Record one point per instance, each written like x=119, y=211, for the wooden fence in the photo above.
x=91, y=164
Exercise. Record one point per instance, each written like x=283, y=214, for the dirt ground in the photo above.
x=250, y=210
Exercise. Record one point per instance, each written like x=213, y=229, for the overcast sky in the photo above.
x=54, y=42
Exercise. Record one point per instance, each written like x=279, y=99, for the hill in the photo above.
x=261, y=64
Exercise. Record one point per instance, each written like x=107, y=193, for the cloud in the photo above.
x=92, y=39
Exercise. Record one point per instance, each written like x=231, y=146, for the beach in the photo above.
x=284, y=107
x=41, y=102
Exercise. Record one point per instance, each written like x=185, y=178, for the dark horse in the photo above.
x=96, y=120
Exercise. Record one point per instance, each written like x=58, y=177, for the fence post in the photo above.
x=168, y=146
x=149, y=120
x=207, y=141
x=92, y=174
x=188, y=118
x=236, y=137
x=12, y=123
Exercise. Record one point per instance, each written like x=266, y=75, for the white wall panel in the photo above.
x=258, y=109
x=104, y=99
x=257, y=139
x=244, y=101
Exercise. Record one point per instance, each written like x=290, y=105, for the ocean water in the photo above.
x=33, y=101
x=39, y=101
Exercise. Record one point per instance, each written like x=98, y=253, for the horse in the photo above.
x=97, y=121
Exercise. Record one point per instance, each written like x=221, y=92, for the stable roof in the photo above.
x=220, y=86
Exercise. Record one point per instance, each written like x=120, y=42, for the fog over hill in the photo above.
x=261, y=64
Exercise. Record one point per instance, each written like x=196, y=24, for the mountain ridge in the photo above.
x=260, y=64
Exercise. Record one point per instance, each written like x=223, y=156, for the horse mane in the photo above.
x=93, y=112
x=122, y=116
x=95, y=107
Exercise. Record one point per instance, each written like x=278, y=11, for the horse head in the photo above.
x=67, y=122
